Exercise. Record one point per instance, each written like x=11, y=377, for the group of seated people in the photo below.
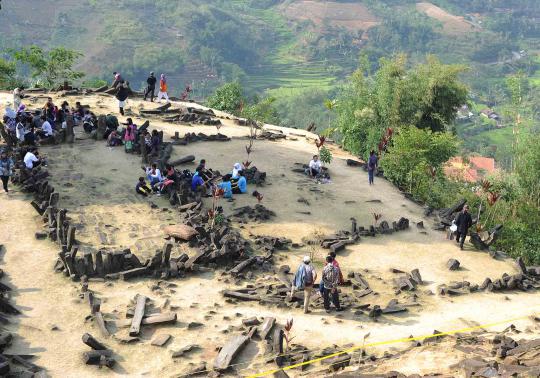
x=30, y=128
x=158, y=183
x=128, y=135
x=202, y=180
x=231, y=183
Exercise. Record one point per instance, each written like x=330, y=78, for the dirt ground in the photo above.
x=96, y=185
x=453, y=25
x=352, y=16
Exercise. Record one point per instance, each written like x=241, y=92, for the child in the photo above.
x=114, y=139
x=142, y=188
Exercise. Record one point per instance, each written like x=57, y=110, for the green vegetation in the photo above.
x=228, y=98
x=47, y=69
x=426, y=96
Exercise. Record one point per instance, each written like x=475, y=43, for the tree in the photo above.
x=7, y=73
x=262, y=111
x=425, y=96
x=49, y=68
x=228, y=98
x=415, y=158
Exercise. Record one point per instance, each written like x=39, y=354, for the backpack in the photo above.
x=308, y=277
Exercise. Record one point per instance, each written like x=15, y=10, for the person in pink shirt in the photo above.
x=129, y=135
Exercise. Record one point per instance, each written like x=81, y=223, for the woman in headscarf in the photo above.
x=163, y=89
x=236, y=168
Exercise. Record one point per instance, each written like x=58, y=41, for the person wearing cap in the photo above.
x=151, y=87
x=303, y=280
x=463, y=223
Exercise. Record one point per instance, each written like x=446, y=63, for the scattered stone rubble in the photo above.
x=13, y=364
x=341, y=239
x=527, y=279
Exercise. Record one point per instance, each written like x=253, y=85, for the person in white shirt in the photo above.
x=31, y=159
x=46, y=128
x=314, y=166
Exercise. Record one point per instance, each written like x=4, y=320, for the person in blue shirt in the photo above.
x=226, y=186
x=197, y=182
x=240, y=186
x=373, y=163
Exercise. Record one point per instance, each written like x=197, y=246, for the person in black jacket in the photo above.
x=122, y=94
x=463, y=223
x=151, y=87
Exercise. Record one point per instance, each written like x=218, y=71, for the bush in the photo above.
x=228, y=98
x=325, y=155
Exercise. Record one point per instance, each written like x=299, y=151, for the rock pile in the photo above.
x=527, y=279
x=247, y=214
x=12, y=364
x=192, y=138
x=341, y=239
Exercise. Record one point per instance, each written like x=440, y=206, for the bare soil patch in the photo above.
x=353, y=16
x=96, y=185
x=453, y=25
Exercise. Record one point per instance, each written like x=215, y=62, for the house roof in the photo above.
x=457, y=169
x=480, y=162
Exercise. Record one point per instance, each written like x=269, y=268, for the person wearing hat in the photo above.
x=151, y=87
x=303, y=280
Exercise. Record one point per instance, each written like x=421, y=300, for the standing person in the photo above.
x=463, y=223
x=315, y=166
x=122, y=94
x=373, y=163
x=163, y=89
x=151, y=87
x=48, y=110
x=330, y=282
x=117, y=79
x=304, y=279
x=336, y=264
x=6, y=169
x=17, y=97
